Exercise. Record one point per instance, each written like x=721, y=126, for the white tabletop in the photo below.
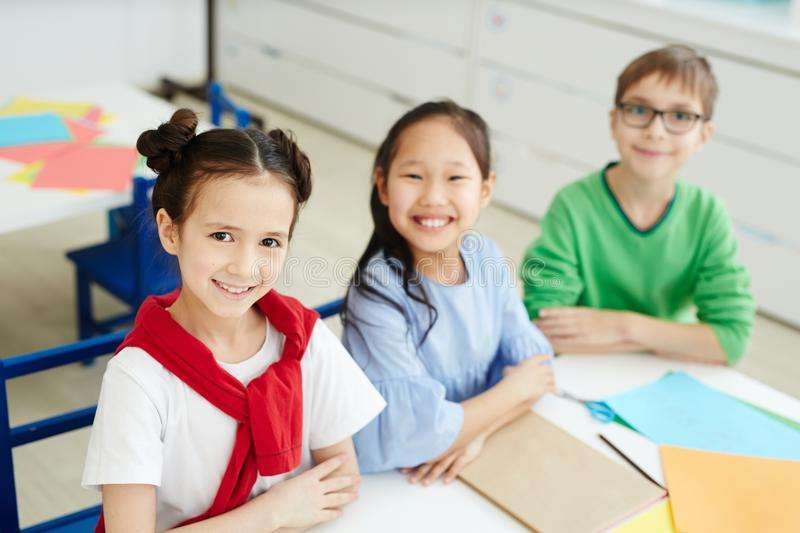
x=388, y=503
x=134, y=111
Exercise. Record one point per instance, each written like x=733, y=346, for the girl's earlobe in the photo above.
x=487, y=188
x=380, y=184
x=167, y=232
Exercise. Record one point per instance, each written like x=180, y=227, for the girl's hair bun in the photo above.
x=297, y=161
x=163, y=146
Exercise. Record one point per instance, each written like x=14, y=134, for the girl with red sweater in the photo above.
x=225, y=394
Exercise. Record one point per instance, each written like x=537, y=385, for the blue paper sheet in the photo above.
x=681, y=411
x=29, y=129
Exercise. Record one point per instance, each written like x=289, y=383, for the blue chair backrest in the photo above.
x=156, y=270
x=220, y=103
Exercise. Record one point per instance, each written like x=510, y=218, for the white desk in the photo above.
x=134, y=110
x=388, y=503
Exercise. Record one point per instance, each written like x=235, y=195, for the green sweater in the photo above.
x=683, y=269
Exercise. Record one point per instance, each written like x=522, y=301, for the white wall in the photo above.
x=47, y=43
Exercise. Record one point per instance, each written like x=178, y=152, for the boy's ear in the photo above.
x=612, y=121
x=706, y=132
x=167, y=232
x=380, y=183
x=487, y=188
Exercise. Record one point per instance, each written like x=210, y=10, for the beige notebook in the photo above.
x=552, y=482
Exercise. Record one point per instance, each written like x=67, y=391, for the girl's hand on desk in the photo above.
x=311, y=497
x=530, y=379
x=584, y=325
x=450, y=466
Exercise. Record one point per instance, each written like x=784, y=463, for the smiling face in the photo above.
x=652, y=153
x=233, y=244
x=434, y=189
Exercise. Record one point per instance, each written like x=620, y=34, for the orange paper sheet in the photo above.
x=89, y=167
x=715, y=492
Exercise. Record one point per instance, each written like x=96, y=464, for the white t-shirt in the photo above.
x=151, y=428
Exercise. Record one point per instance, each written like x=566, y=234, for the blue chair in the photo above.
x=220, y=103
x=130, y=267
x=11, y=437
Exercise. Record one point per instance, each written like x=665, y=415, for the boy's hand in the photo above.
x=584, y=325
x=448, y=466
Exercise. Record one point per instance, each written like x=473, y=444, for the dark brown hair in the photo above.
x=385, y=238
x=184, y=161
x=673, y=62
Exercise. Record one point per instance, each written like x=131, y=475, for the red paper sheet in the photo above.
x=93, y=115
x=82, y=133
x=89, y=167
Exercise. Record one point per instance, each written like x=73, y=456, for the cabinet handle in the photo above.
x=271, y=52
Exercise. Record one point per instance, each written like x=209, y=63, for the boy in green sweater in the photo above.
x=632, y=259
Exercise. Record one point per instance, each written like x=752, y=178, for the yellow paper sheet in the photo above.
x=27, y=174
x=714, y=492
x=21, y=105
x=657, y=519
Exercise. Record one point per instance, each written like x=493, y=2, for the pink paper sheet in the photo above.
x=89, y=167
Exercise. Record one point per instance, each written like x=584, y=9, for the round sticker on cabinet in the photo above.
x=496, y=20
x=501, y=88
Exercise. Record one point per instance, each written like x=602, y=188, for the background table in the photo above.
x=133, y=110
x=387, y=503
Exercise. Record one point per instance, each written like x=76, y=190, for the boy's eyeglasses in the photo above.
x=641, y=116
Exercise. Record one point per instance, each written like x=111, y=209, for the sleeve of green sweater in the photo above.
x=549, y=269
x=722, y=294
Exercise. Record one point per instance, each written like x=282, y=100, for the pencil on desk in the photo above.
x=627, y=460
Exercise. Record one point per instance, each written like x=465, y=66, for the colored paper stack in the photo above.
x=729, y=466
x=58, y=145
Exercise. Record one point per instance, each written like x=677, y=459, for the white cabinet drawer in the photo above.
x=444, y=21
x=526, y=181
x=775, y=278
x=357, y=112
x=582, y=55
x=396, y=64
x=758, y=190
x=545, y=117
x=758, y=106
